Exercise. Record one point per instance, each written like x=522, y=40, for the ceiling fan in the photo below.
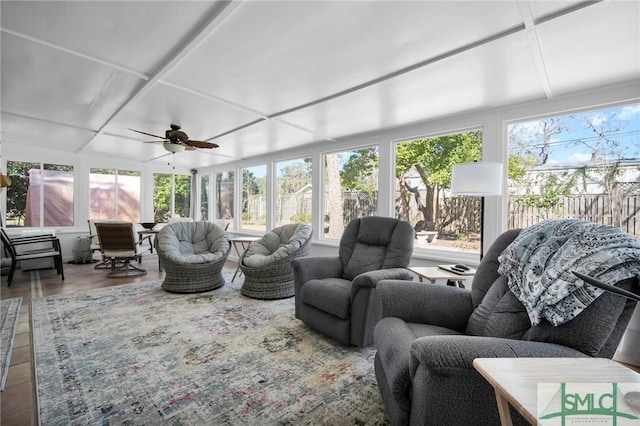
x=175, y=140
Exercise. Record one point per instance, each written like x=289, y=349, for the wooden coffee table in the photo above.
x=515, y=380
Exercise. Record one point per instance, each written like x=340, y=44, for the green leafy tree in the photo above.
x=360, y=171
x=433, y=159
x=553, y=189
x=182, y=194
x=294, y=177
x=251, y=186
x=161, y=197
x=17, y=192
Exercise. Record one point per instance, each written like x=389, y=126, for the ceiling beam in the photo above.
x=535, y=47
x=76, y=53
x=226, y=9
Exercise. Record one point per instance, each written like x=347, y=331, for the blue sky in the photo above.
x=578, y=139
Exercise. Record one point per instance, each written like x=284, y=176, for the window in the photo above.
x=204, y=197
x=114, y=194
x=254, y=198
x=39, y=195
x=350, y=188
x=423, y=197
x=171, y=196
x=584, y=166
x=293, y=191
x=182, y=196
x=225, y=196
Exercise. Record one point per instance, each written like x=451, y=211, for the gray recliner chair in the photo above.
x=429, y=336
x=336, y=295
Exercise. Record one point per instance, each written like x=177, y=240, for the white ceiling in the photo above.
x=261, y=76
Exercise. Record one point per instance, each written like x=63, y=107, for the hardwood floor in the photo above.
x=18, y=403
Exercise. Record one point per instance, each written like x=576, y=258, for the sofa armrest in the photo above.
x=416, y=302
x=444, y=354
x=316, y=267
x=372, y=278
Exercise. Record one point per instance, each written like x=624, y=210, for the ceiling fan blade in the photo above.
x=189, y=148
x=148, y=134
x=155, y=141
x=201, y=144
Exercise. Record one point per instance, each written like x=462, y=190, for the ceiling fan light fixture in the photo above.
x=173, y=147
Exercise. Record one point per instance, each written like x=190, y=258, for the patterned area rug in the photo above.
x=9, y=312
x=135, y=354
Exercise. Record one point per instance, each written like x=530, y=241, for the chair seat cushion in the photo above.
x=192, y=242
x=330, y=295
x=277, y=244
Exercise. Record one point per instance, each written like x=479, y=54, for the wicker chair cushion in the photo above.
x=198, y=242
x=276, y=245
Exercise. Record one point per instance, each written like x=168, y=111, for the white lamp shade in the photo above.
x=478, y=179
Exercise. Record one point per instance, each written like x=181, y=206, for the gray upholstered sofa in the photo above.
x=429, y=336
x=336, y=295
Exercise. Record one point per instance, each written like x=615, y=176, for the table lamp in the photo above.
x=629, y=348
x=477, y=179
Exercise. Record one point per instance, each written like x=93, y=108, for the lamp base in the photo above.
x=627, y=351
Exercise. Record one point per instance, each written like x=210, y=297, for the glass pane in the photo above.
x=182, y=196
x=18, y=194
x=102, y=194
x=114, y=194
x=204, y=197
x=294, y=191
x=49, y=190
x=582, y=166
x=161, y=197
x=225, y=197
x=350, y=188
x=254, y=200
x=423, y=198
x=128, y=195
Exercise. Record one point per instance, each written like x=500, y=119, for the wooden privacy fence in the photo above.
x=462, y=214
x=618, y=211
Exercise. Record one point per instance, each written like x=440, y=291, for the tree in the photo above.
x=161, y=197
x=595, y=140
x=433, y=159
x=534, y=139
x=334, y=196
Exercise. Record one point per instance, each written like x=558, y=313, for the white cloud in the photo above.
x=628, y=112
x=580, y=157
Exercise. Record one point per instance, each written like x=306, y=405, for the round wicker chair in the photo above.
x=192, y=255
x=266, y=264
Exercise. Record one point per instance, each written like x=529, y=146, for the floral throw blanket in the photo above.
x=540, y=261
